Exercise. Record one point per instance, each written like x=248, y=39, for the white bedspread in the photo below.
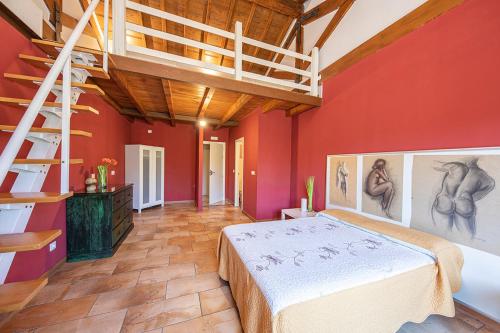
x=298, y=260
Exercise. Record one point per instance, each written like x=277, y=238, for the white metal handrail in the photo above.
x=62, y=63
x=121, y=47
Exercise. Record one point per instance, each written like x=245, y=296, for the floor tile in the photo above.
x=123, y=298
x=216, y=300
x=189, y=285
x=51, y=313
x=50, y=293
x=97, y=286
x=169, y=272
x=150, y=316
x=106, y=323
x=141, y=264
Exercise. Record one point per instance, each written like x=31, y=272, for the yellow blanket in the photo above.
x=382, y=306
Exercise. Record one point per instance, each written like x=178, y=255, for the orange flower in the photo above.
x=114, y=162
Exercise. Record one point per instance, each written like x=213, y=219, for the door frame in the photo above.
x=223, y=168
x=236, y=169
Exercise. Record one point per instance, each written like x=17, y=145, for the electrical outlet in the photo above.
x=52, y=246
x=112, y=172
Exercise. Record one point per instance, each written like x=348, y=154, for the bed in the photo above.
x=336, y=272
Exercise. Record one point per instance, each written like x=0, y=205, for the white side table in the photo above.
x=295, y=213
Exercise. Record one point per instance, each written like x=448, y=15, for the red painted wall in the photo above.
x=110, y=133
x=180, y=155
x=437, y=87
x=267, y=151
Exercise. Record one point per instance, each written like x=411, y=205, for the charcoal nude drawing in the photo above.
x=379, y=186
x=341, y=179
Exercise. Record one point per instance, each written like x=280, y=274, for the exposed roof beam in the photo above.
x=121, y=81
x=229, y=22
x=332, y=25
x=240, y=102
x=182, y=118
x=170, y=72
x=320, y=10
x=262, y=36
x=411, y=21
x=271, y=105
x=70, y=22
x=206, y=17
x=205, y=101
x=146, y=21
x=94, y=23
x=286, y=45
x=280, y=6
x=299, y=47
x=167, y=91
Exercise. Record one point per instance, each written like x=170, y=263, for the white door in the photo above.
x=216, y=173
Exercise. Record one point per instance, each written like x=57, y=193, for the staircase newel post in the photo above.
x=65, y=125
x=238, y=50
x=119, y=33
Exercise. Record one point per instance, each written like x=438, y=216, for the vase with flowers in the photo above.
x=102, y=170
x=310, y=190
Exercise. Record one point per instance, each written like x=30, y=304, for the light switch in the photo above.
x=253, y=173
x=150, y=131
x=112, y=172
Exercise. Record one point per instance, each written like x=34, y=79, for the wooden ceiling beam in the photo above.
x=320, y=10
x=167, y=92
x=94, y=23
x=270, y=105
x=171, y=72
x=229, y=22
x=286, y=45
x=121, y=81
x=146, y=22
x=262, y=36
x=234, y=108
x=180, y=118
x=206, y=18
x=70, y=22
x=205, y=102
x=298, y=109
x=411, y=21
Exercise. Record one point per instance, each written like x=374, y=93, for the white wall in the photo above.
x=30, y=12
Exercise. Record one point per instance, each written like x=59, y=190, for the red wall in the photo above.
x=437, y=87
x=110, y=133
x=267, y=151
x=180, y=155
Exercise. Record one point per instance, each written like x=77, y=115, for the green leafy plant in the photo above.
x=310, y=190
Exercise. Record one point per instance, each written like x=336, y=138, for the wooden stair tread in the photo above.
x=47, y=130
x=14, y=296
x=45, y=161
x=27, y=241
x=89, y=88
x=50, y=47
x=33, y=197
x=42, y=62
x=23, y=101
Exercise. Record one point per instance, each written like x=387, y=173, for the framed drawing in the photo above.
x=341, y=181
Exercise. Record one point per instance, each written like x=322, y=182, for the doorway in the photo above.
x=214, y=173
x=238, y=172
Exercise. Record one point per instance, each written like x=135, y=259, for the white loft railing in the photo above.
x=61, y=64
x=121, y=47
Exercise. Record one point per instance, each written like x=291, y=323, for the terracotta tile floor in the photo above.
x=163, y=279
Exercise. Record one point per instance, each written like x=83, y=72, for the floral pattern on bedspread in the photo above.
x=298, y=260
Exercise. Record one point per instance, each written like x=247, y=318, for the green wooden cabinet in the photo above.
x=97, y=223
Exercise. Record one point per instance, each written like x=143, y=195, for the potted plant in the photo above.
x=102, y=170
x=310, y=190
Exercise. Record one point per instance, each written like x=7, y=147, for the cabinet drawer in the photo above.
x=121, y=229
x=121, y=213
x=129, y=193
x=118, y=200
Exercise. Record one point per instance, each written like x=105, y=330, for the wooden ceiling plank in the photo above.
x=235, y=107
x=320, y=10
x=180, y=118
x=298, y=109
x=271, y=105
x=167, y=91
x=171, y=72
x=121, y=81
x=206, y=18
x=288, y=9
x=205, y=102
x=411, y=21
